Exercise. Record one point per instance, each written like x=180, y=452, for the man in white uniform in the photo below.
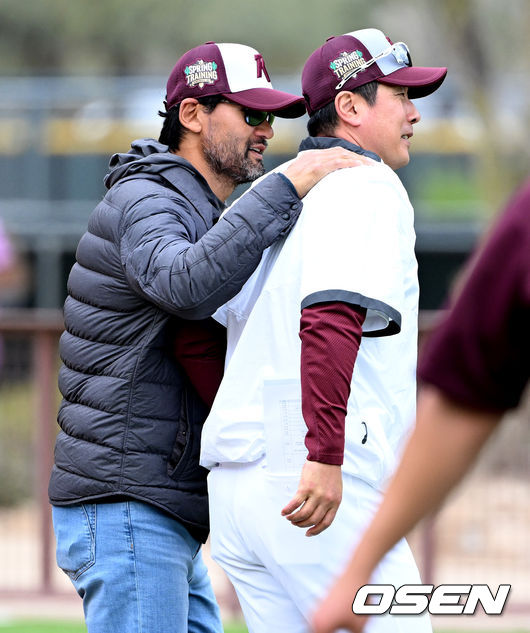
x=306, y=414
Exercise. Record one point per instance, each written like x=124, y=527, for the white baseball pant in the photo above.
x=279, y=574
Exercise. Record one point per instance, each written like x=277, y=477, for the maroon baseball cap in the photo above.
x=233, y=71
x=348, y=61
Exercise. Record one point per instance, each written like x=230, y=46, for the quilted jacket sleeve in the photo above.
x=191, y=278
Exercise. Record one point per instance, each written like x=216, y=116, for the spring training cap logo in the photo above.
x=346, y=62
x=201, y=73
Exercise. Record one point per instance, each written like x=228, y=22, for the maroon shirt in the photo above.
x=200, y=349
x=480, y=354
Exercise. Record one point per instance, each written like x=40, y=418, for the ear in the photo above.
x=190, y=114
x=349, y=107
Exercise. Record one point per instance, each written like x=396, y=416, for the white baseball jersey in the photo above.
x=354, y=242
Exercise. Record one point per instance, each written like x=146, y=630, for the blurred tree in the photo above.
x=137, y=36
x=487, y=48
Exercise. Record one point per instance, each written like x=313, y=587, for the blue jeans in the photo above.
x=137, y=569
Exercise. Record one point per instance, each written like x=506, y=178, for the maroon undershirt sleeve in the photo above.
x=200, y=349
x=331, y=334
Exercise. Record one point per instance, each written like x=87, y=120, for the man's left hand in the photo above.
x=317, y=499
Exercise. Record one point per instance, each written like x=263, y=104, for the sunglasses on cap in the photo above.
x=253, y=117
x=399, y=50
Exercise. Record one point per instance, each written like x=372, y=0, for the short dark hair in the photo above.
x=172, y=129
x=324, y=121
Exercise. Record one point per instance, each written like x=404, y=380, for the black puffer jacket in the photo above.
x=130, y=422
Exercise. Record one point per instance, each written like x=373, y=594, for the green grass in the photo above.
x=51, y=626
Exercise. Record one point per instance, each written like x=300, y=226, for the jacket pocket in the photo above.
x=182, y=440
x=75, y=531
x=183, y=463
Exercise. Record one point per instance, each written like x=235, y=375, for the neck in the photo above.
x=348, y=133
x=221, y=186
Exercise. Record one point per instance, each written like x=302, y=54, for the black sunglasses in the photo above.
x=256, y=117
x=253, y=117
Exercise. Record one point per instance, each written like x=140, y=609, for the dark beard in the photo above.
x=227, y=161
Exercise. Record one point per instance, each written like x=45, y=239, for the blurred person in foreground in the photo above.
x=306, y=413
x=473, y=369
x=130, y=506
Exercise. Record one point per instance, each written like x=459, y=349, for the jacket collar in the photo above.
x=323, y=142
x=149, y=158
x=190, y=182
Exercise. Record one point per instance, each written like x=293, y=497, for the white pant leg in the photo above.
x=279, y=573
x=265, y=604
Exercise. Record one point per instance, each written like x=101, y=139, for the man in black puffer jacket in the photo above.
x=129, y=498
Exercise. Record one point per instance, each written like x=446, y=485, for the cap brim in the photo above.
x=283, y=104
x=421, y=81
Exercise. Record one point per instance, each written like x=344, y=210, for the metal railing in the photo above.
x=37, y=376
